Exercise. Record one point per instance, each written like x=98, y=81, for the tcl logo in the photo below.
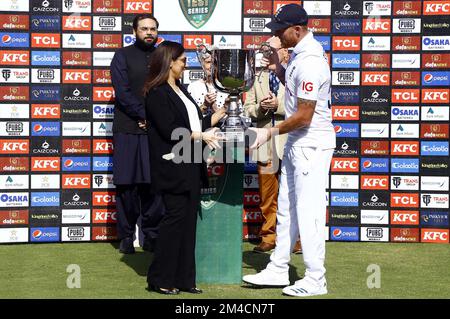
x=45, y=40
x=103, y=216
x=191, y=41
x=374, y=182
x=45, y=111
x=45, y=164
x=404, y=148
x=137, y=6
x=435, y=95
x=350, y=113
x=436, y=7
x=404, y=200
x=76, y=181
x=79, y=23
x=103, y=94
x=376, y=25
x=307, y=86
x=345, y=165
x=399, y=217
x=76, y=76
x=14, y=57
x=104, y=199
x=405, y=95
x=251, y=198
x=103, y=147
x=346, y=43
x=435, y=235
x=14, y=146
x=376, y=78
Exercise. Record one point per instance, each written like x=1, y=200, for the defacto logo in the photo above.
x=405, y=148
x=319, y=25
x=344, y=199
x=407, y=96
x=404, y=200
x=401, y=217
x=346, y=130
x=376, y=78
x=344, y=233
x=434, y=235
x=434, y=149
x=374, y=165
x=345, y=113
x=376, y=61
x=345, y=164
x=341, y=43
x=406, y=43
x=434, y=131
x=45, y=40
x=376, y=25
x=436, y=7
x=375, y=182
x=77, y=58
x=408, y=235
x=407, y=8
x=45, y=164
x=404, y=165
x=76, y=181
x=14, y=21
x=406, y=78
x=436, y=60
x=76, y=146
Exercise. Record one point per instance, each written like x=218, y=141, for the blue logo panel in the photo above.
x=102, y=164
x=344, y=199
x=45, y=93
x=346, y=129
x=51, y=58
x=45, y=23
x=14, y=40
x=404, y=165
x=436, y=78
x=324, y=41
x=344, y=233
x=45, y=234
x=434, y=219
x=346, y=26
x=374, y=165
x=346, y=61
x=76, y=164
x=434, y=148
x=45, y=199
x=45, y=128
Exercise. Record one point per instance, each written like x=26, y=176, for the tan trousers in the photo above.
x=268, y=193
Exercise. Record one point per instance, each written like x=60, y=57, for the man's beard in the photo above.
x=146, y=44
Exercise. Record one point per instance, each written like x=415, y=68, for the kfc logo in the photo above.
x=438, y=96
x=14, y=58
x=375, y=182
x=399, y=217
x=345, y=164
x=406, y=96
x=14, y=147
x=45, y=40
x=435, y=235
x=77, y=23
x=78, y=76
x=104, y=216
x=436, y=8
x=103, y=146
x=191, y=41
x=346, y=43
x=76, y=181
x=376, y=25
x=137, y=6
x=45, y=164
x=376, y=78
x=45, y=111
x=404, y=200
x=405, y=148
x=345, y=113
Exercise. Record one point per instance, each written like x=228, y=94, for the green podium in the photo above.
x=219, y=225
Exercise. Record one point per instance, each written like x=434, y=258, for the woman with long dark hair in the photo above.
x=175, y=175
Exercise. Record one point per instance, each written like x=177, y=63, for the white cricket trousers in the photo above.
x=302, y=209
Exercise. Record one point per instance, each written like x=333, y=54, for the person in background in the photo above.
x=129, y=69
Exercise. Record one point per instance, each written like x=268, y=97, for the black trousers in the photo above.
x=173, y=265
x=137, y=200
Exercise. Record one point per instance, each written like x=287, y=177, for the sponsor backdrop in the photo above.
x=390, y=65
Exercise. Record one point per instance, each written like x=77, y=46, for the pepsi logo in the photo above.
x=37, y=234
x=37, y=128
x=338, y=129
x=367, y=164
x=6, y=38
x=337, y=233
x=68, y=163
x=428, y=78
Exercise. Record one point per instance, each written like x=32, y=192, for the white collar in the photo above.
x=303, y=43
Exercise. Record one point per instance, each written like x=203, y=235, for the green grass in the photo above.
x=39, y=271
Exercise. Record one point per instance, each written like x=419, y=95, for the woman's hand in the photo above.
x=210, y=137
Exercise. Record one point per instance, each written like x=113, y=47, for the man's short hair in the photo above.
x=143, y=16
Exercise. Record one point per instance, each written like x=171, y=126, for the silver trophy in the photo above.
x=233, y=72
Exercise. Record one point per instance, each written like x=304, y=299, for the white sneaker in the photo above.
x=268, y=278
x=306, y=288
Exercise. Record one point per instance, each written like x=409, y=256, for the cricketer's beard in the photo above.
x=144, y=44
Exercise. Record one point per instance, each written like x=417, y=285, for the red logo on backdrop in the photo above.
x=376, y=25
x=375, y=147
x=76, y=146
x=14, y=22
x=76, y=181
x=375, y=182
x=45, y=164
x=76, y=23
x=104, y=216
x=103, y=94
x=107, y=41
x=278, y=4
x=263, y=7
x=437, y=96
x=345, y=164
x=251, y=231
x=251, y=198
x=16, y=57
x=406, y=43
x=341, y=43
x=436, y=8
x=104, y=198
x=404, y=217
x=14, y=147
x=76, y=58
x=407, y=96
x=102, y=77
x=45, y=40
x=345, y=113
x=375, y=78
x=137, y=6
x=78, y=76
x=45, y=111
x=436, y=60
x=102, y=146
x=216, y=170
x=434, y=130
x=319, y=25
x=14, y=93
x=254, y=41
x=406, y=78
x=434, y=235
x=252, y=215
x=14, y=164
x=14, y=217
x=405, y=148
x=409, y=235
x=376, y=61
x=104, y=233
x=404, y=200
x=407, y=8
x=191, y=41
x=107, y=6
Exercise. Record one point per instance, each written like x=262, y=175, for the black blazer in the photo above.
x=166, y=112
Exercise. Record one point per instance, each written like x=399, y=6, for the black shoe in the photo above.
x=193, y=290
x=164, y=291
x=149, y=245
x=126, y=246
